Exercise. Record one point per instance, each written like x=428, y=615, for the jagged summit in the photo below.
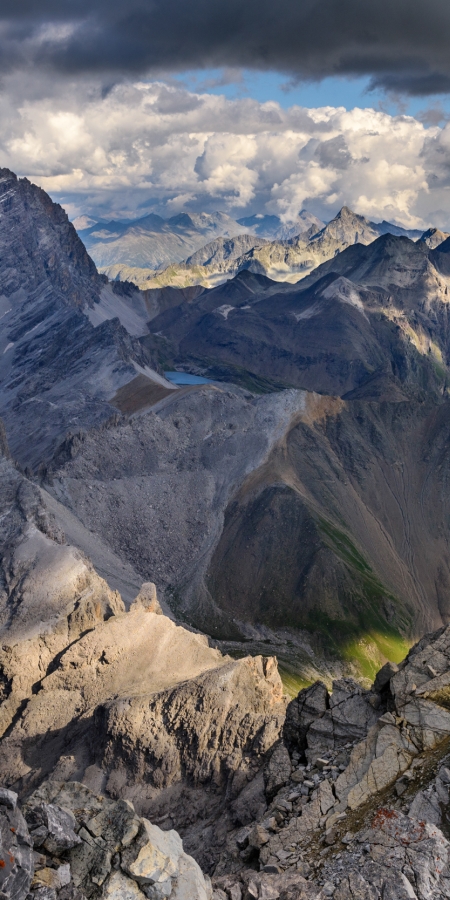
x=41, y=251
x=348, y=228
x=433, y=237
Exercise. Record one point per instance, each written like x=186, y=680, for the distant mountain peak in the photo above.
x=433, y=237
x=346, y=213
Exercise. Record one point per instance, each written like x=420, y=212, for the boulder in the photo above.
x=277, y=770
x=384, y=676
x=16, y=850
x=52, y=827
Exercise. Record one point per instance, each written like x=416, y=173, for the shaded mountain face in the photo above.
x=41, y=253
x=371, y=312
x=153, y=242
x=56, y=369
x=289, y=258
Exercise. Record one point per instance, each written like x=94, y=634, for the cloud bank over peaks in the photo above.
x=151, y=146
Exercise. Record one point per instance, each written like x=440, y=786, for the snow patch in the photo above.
x=224, y=310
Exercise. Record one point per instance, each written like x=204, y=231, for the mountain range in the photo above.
x=288, y=259
x=152, y=242
x=316, y=389
x=158, y=541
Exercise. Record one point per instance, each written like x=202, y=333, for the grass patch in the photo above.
x=364, y=637
x=292, y=682
x=370, y=651
x=341, y=543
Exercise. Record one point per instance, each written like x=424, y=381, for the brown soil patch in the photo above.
x=139, y=393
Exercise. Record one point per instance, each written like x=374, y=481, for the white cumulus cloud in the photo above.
x=151, y=146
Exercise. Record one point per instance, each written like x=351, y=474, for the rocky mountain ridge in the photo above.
x=63, y=348
x=289, y=258
x=184, y=485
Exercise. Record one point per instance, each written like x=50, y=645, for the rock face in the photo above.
x=173, y=719
x=130, y=702
x=317, y=722
x=49, y=592
x=363, y=818
x=41, y=253
x=16, y=849
x=211, y=729
x=52, y=359
x=86, y=846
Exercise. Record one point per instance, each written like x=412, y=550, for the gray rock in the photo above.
x=242, y=838
x=258, y=837
x=60, y=824
x=317, y=722
x=52, y=827
x=16, y=852
x=277, y=770
x=110, y=834
x=8, y=798
x=310, y=704
x=44, y=893
x=384, y=676
x=426, y=807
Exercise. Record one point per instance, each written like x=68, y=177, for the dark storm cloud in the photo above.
x=403, y=45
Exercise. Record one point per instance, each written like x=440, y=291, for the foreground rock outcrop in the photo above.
x=348, y=817
x=74, y=844
x=120, y=723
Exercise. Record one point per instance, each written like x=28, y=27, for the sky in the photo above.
x=246, y=106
